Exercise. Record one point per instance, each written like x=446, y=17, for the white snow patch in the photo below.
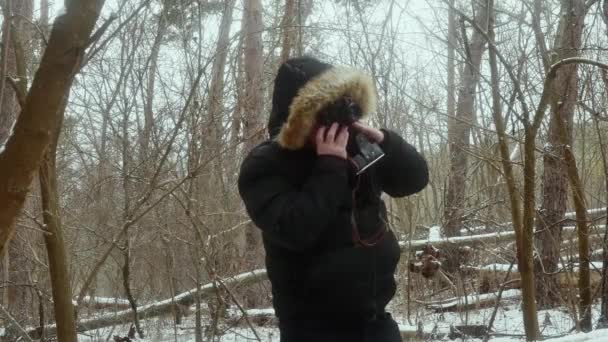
x=268, y=311
x=435, y=233
x=595, y=335
x=596, y=265
x=475, y=298
x=10, y=134
x=87, y=300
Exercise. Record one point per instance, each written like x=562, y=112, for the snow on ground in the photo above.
x=596, y=335
x=554, y=325
x=163, y=330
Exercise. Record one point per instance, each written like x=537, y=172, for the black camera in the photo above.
x=363, y=152
x=369, y=153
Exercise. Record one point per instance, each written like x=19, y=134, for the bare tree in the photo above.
x=13, y=81
x=459, y=128
x=37, y=127
x=25, y=148
x=555, y=178
x=253, y=107
x=54, y=239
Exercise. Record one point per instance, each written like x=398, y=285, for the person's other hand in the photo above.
x=371, y=133
x=331, y=141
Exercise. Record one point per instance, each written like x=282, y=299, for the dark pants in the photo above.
x=380, y=329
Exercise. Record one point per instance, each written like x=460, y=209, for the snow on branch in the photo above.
x=472, y=240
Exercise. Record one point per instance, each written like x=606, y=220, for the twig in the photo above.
x=15, y=86
x=95, y=36
x=115, y=32
x=240, y=309
x=504, y=284
x=35, y=25
x=445, y=278
x=11, y=320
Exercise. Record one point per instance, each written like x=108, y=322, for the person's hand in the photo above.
x=371, y=133
x=331, y=141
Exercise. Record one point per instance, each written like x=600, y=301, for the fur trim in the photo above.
x=320, y=92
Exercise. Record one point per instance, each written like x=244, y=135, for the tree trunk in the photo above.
x=13, y=64
x=288, y=29
x=151, y=82
x=452, y=41
x=582, y=228
x=7, y=68
x=44, y=17
x=525, y=245
x=603, y=320
x=57, y=255
x=38, y=118
x=459, y=127
x=555, y=178
x=523, y=233
x=213, y=141
x=252, y=126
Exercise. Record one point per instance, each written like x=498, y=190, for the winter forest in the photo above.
x=123, y=124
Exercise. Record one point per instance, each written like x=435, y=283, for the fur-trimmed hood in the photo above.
x=319, y=92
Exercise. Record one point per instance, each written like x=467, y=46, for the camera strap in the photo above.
x=356, y=237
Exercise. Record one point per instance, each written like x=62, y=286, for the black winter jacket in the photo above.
x=303, y=203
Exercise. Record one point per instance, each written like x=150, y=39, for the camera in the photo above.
x=369, y=153
x=363, y=152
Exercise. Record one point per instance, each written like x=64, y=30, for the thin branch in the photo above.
x=20, y=95
x=36, y=26
x=504, y=284
x=235, y=300
x=97, y=35
x=11, y=320
x=102, y=45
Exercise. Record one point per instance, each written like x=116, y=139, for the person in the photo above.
x=330, y=254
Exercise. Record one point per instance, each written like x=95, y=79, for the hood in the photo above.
x=292, y=129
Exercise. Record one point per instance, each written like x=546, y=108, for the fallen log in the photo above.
x=258, y=317
x=104, y=303
x=593, y=215
x=473, y=301
x=567, y=277
x=155, y=309
x=464, y=331
x=474, y=240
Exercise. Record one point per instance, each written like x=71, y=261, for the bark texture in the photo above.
x=38, y=118
x=459, y=127
x=564, y=93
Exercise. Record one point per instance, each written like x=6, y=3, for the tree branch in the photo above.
x=11, y=320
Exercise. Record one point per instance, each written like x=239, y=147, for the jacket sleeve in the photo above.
x=293, y=218
x=403, y=171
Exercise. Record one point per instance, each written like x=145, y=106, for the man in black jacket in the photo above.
x=330, y=254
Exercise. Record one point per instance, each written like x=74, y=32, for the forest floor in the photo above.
x=556, y=326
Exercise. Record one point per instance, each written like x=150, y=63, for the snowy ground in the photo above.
x=554, y=325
